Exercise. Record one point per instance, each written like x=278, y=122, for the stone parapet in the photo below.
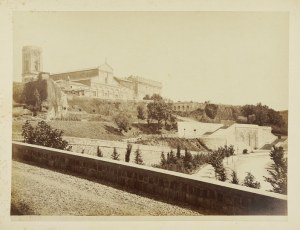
x=212, y=196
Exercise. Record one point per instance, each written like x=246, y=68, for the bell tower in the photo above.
x=31, y=62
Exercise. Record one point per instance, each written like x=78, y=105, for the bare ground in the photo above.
x=38, y=191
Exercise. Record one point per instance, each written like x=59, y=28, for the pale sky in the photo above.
x=224, y=57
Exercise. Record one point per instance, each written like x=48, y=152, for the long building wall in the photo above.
x=213, y=197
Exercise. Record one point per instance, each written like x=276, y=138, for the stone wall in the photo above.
x=213, y=197
x=150, y=154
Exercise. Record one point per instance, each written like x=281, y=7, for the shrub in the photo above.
x=141, y=112
x=245, y=151
x=128, y=151
x=99, y=152
x=115, y=155
x=249, y=181
x=234, y=178
x=44, y=135
x=138, y=157
x=123, y=122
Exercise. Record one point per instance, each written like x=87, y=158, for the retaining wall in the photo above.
x=214, y=197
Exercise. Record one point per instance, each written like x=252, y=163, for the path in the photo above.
x=38, y=191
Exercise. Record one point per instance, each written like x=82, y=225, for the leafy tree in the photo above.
x=115, y=155
x=278, y=171
x=156, y=97
x=44, y=135
x=250, y=181
x=159, y=110
x=138, y=157
x=123, y=122
x=211, y=110
x=147, y=97
x=99, y=152
x=128, y=151
x=234, y=178
x=141, y=112
x=262, y=115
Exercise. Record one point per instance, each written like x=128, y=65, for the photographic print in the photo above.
x=165, y=113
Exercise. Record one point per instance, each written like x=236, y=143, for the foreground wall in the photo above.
x=211, y=197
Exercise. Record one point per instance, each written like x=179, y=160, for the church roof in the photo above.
x=106, y=67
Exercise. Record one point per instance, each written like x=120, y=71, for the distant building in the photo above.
x=187, y=106
x=97, y=82
x=241, y=136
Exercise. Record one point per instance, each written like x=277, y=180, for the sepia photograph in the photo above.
x=150, y=113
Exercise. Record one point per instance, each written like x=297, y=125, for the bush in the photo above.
x=234, y=178
x=115, y=155
x=99, y=152
x=123, y=122
x=249, y=181
x=245, y=151
x=138, y=157
x=44, y=135
x=128, y=151
x=141, y=112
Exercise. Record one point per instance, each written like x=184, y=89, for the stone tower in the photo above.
x=32, y=62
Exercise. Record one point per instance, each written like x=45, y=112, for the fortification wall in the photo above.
x=215, y=197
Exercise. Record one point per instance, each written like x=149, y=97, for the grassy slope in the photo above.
x=91, y=129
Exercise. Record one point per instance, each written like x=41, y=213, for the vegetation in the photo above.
x=128, y=151
x=123, y=122
x=99, y=152
x=211, y=110
x=185, y=164
x=160, y=111
x=138, y=157
x=115, y=155
x=250, y=181
x=216, y=158
x=264, y=116
x=43, y=134
x=33, y=94
x=234, y=178
x=141, y=112
x=278, y=171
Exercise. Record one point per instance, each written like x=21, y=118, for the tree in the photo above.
x=147, y=97
x=250, y=181
x=123, y=122
x=44, y=135
x=178, y=152
x=99, y=152
x=138, y=157
x=156, y=97
x=211, y=110
x=159, y=110
x=215, y=159
x=115, y=155
x=234, y=178
x=128, y=151
x=141, y=112
x=278, y=171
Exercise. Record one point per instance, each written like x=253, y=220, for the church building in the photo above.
x=98, y=82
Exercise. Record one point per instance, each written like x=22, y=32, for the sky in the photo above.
x=223, y=57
